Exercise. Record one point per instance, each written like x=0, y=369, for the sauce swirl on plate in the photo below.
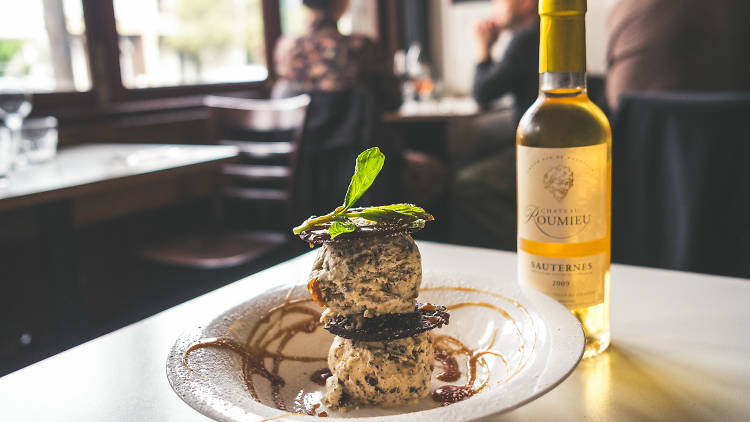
x=269, y=337
x=257, y=347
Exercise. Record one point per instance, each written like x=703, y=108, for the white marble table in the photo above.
x=93, y=168
x=87, y=184
x=681, y=352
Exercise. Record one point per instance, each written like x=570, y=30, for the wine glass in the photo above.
x=419, y=71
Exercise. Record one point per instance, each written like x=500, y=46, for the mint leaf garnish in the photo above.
x=341, y=227
x=368, y=166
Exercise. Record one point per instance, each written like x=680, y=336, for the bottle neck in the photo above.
x=562, y=83
x=562, y=51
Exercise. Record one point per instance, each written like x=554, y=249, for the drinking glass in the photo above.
x=14, y=107
x=7, y=154
x=39, y=139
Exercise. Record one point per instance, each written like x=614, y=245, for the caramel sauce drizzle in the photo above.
x=314, y=289
x=517, y=305
x=257, y=348
x=490, y=306
x=448, y=346
x=320, y=376
x=450, y=371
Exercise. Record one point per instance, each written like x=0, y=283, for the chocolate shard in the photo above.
x=390, y=326
x=366, y=229
x=319, y=237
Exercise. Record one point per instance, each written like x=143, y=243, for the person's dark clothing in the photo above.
x=351, y=82
x=516, y=73
x=484, y=190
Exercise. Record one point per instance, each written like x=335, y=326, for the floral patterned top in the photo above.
x=326, y=60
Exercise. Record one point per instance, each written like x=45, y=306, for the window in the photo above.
x=294, y=17
x=84, y=56
x=188, y=42
x=43, y=46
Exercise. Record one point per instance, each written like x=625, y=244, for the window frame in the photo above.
x=107, y=88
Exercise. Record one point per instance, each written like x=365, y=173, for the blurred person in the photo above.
x=484, y=188
x=351, y=82
x=326, y=60
x=517, y=72
x=690, y=45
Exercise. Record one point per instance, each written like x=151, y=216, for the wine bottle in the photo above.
x=564, y=162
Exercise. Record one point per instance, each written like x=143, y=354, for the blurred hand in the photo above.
x=486, y=33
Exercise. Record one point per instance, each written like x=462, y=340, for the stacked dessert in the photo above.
x=367, y=275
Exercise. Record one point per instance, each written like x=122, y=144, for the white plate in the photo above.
x=538, y=338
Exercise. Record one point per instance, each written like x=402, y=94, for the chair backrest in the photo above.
x=258, y=115
x=680, y=182
x=340, y=124
x=268, y=134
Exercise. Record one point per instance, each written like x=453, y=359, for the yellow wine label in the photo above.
x=563, y=222
x=574, y=282
x=562, y=195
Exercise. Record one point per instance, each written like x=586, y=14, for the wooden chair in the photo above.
x=340, y=125
x=267, y=134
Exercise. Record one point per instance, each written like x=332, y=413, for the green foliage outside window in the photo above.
x=8, y=49
x=214, y=24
